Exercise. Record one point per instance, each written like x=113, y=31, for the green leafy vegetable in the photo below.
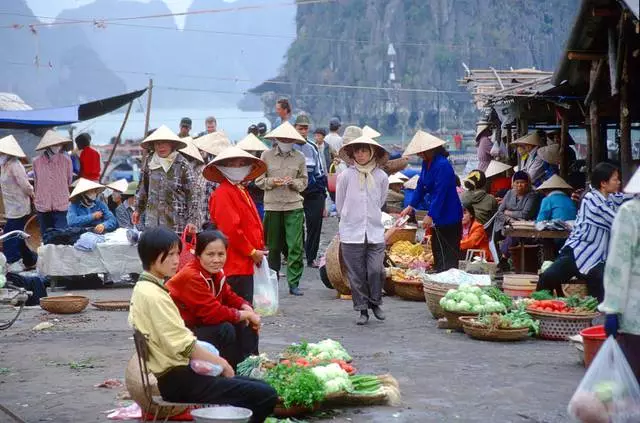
x=497, y=295
x=365, y=384
x=301, y=349
x=542, y=295
x=295, y=385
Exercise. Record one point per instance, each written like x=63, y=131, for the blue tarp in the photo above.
x=28, y=119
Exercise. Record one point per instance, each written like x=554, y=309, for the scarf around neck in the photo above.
x=165, y=163
x=364, y=171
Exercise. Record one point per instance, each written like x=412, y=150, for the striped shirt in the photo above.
x=589, y=238
x=52, y=179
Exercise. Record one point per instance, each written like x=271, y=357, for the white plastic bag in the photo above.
x=609, y=391
x=203, y=367
x=265, y=289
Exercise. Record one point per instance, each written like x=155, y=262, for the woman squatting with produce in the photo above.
x=437, y=179
x=172, y=345
x=622, y=278
x=208, y=304
x=361, y=192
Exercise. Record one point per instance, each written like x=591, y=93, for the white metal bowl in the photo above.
x=221, y=414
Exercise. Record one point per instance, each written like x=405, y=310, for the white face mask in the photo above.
x=92, y=196
x=235, y=175
x=285, y=147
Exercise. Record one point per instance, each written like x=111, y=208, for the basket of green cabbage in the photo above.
x=468, y=300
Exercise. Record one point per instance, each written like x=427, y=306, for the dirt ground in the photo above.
x=50, y=375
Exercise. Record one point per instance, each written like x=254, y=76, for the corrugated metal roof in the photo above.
x=9, y=101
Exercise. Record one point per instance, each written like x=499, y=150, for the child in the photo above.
x=171, y=345
x=360, y=194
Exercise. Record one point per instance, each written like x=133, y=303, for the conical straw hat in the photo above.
x=369, y=132
x=84, y=185
x=191, y=150
x=50, y=139
x=555, y=182
x=213, y=143
x=495, y=168
x=529, y=139
x=351, y=133
x=286, y=131
x=481, y=126
x=393, y=179
x=120, y=185
x=422, y=141
x=212, y=173
x=252, y=143
x=412, y=183
x=10, y=147
x=401, y=176
x=163, y=133
x=381, y=154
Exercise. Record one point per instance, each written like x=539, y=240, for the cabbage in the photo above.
x=478, y=308
x=476, y=290
x=465, y=288
x=472, y=299
x=442, y=301
x=450, y=293
x=458, y=296
x=463, y=306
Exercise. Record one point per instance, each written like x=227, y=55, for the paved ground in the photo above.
x=444, y=377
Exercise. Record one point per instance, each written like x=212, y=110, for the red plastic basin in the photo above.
x=592, y=339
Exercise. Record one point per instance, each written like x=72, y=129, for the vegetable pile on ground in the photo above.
x=470, y=299
x=517, y=319
x=323, y=350
x=569, y=305
x=413, y=275
x=296, y=385
x=333, y=378
x=407, y=254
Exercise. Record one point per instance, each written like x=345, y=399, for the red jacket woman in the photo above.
x=234, y=213
x=474, y=237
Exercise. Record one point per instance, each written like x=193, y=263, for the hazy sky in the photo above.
x=54, y=7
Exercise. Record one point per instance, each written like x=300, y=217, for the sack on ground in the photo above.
x=265, y=289
x=609, y=391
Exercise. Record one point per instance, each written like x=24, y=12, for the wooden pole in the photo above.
x=626, y=157
x=147, y=117
x=595, y=142
x=589, y=158
x=117, y=141
x=564, y=144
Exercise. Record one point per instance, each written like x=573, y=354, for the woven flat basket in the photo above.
x=454, y=321
x=403, y=234
x=67, y=304
x=485, y=334
x=389, y=286
x=111, y=305
x=335, y=268
x=35, y=237
x=409, y=290
x=395, y=165
x=559, y=327
x=433, y=297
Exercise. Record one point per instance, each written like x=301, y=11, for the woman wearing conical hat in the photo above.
x=557, y=203
x=529, y=159
x=87, y=210
x=17, y=193
x=166, y=191
x=361, y=192
x=438, y=179
x=53, y=173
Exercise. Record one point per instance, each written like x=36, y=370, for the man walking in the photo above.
x=185, y=127
x=334, y=139
x=283, y=110
x=315, y=193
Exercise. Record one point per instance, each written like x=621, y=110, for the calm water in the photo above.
x=233, y=121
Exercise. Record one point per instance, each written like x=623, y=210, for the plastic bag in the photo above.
x=265, y=289
x=203, y=367
x=609, y=391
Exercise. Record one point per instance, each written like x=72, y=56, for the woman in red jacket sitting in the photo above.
x=474, y=237
x=208, y=305
x=234, y=213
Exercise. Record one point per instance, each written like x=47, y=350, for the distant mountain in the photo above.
x=45, y=67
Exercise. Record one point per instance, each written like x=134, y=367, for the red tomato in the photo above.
x=286, y=362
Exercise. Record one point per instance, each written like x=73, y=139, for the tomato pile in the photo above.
x=586, y=305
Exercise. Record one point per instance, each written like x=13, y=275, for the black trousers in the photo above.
x=242, y=285
x=235, y=342
x=181, y=384
x=564, y=268
x=445, y=244
x=313, y=208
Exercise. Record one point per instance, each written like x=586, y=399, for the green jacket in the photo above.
x=484, y=205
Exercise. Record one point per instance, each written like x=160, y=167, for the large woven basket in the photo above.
x=335, y=268
x=133, y=382
x=67, y=304
x=389, y=286
x=35, y=237
x=111, y=305
x=453, y=319
x=432, y=295
x=403, y=234
x=395, y=165
x=409, y=290
x=559, y=327
x=579, y=289
x=486, y=334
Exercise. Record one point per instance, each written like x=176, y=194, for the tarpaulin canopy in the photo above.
x=28, y=119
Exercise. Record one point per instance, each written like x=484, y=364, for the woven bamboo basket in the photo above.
x=35, y=237
x=409, y=290
x=133, y=382
x=579, y=289
x=407, y=233
x=487, y=334
x=335, y=268
x=293, y=411
x=111, y=305
x=389, y=286
x=433, y=297
x=560, y=326
x=67, y=304
x=453, y=319
x=395, y=165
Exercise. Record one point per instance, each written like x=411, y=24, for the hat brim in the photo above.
x=179, y=145
x=73, y=195
x=346, y=152
x=289, y=140
x=212, y=173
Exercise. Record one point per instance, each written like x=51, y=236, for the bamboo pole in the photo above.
x=626, y=156
x=117, y=140
x=564, y=144
x=147, y=116
x=594, y=119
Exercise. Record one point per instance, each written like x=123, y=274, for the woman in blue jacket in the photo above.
x=438, y=180
x=86, y=211
x=557, y=204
